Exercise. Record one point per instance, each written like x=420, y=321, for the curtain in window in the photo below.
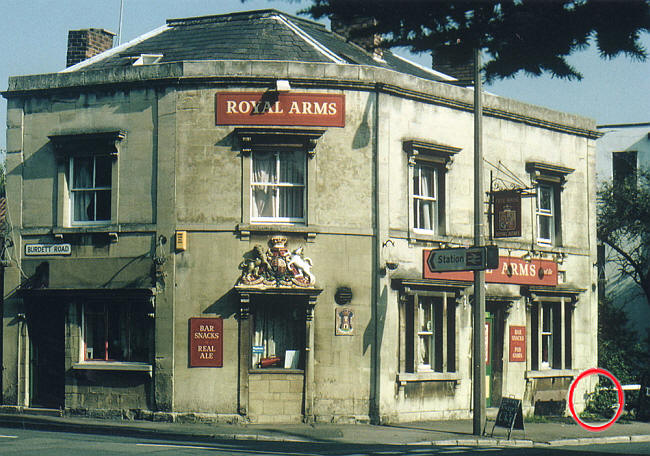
x=264, y=167
x=83, y=178
x=424, y=192
x=292, y=170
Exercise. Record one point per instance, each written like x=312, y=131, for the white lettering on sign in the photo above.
x=48, y=249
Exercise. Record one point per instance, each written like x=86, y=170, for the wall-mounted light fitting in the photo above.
x=282, y=85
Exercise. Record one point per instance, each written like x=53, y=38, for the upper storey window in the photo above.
x=425, y=197
x=546, y=213
x=278, y=186
x=88, y=177
x=427, y=174
x=90, y=192
x=549, y=181
x=275, y=186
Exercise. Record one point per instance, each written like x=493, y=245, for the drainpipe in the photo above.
x=376, y=359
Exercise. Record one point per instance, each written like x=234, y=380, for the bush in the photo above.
x=602, y=403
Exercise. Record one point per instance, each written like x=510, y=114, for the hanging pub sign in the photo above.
x=206, y=342
x=273, y=108
x=507, y=213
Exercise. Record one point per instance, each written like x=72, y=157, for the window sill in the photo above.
x=550, y=373
x=275, y=371
x=114, y=366
x=404, y=377
x=95, y=228
x=245, y=230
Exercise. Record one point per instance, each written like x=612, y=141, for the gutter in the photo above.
x=375, y=412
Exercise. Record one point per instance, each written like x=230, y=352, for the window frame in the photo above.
x=544, y=175
x=108, y=308
x=73, y=192
x=544, y=213
x=419, y=197
x=277, y=186
x=67, y=146
x=443, y=352
x=266, y=305
x=558, y=313
x=439, y=157
x=625, y=165
x=271, y=139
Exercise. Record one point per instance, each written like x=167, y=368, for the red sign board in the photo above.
x=206, y=342
x=272, y=108
x=510, y=270
x=507, y=213
x=517, y=344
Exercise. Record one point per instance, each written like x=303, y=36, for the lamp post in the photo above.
x=478, y=355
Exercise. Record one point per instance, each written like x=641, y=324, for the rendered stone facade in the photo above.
x=173, y=169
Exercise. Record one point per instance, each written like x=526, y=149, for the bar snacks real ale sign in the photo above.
x=206, y=342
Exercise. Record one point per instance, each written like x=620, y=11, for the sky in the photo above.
x=33, y=40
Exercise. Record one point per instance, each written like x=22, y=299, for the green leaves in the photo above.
x=517, y=35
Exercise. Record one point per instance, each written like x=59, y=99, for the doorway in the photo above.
x=46, y=325
x=495, y=323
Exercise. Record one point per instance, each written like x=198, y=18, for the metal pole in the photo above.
x=478, y=356
x=119, y=31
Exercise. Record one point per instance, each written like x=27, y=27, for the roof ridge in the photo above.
x=320, y=47
x=239, y=15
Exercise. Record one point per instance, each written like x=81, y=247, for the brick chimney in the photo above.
x=463, y=71
x=86, y=43
x=371, y=43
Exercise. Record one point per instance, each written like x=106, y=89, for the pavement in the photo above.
x=440, y=433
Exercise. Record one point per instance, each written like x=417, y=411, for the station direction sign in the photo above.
x=462, y=259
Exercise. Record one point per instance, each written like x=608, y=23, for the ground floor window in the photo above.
x=279, y=334
x=116, y=332
x=429, y=333
x=551, y=334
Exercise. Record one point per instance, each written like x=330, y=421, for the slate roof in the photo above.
x=254, y=35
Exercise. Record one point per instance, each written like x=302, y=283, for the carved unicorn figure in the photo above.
x=302, y=264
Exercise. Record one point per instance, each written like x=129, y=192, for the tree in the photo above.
x=624, y=226
x=532, y=36
x=619, y=350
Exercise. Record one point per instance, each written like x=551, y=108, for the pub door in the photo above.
x=45, y=323
x=495, y=322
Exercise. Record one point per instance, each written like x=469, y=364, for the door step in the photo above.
x=42, y=411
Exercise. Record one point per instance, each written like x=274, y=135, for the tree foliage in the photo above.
x=619, y=350
x=624, y=225
x=532, y=36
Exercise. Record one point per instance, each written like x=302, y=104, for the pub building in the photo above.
x=230, y=219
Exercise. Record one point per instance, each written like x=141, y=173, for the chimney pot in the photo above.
x=86, y=43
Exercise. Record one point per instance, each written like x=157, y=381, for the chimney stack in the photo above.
x=460, y=68
x=86, y=43
x=371, y=43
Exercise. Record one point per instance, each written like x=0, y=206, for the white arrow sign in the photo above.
x=448, y=260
